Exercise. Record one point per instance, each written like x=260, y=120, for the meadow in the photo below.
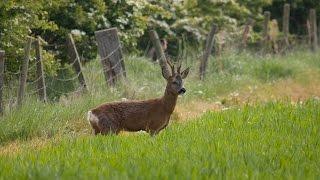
x=275, y=140
x=256, y=117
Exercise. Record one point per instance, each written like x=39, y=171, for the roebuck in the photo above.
x=149, y=115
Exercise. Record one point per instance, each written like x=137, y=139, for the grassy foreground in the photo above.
x=276, y=140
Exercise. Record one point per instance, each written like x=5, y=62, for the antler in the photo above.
x=179, y=66
x=171, y=66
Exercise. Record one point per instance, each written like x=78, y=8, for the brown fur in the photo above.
x=149, y=115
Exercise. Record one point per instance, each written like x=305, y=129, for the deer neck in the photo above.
x=169, y=100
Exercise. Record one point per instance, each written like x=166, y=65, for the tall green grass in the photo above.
x=271, y=141
x=66, y=115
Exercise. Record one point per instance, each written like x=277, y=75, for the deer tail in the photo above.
x=92, y=119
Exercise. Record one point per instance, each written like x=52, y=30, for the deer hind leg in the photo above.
x=96, y=129
x=109, y=130
x=107, y=126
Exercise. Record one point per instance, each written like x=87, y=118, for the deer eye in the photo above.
x=175, y=82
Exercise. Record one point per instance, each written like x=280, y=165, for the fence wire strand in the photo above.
x=13, y=73
x=69, y=79
x=109, y=55
x=80, y=89
x=69, y=65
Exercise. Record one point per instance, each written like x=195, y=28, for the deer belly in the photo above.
x=134, y=124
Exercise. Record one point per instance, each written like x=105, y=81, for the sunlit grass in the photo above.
x=275, y=140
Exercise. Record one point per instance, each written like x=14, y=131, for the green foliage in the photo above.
x=272, y=141
x=18, y=19
x=189, y=20
x=53, y=21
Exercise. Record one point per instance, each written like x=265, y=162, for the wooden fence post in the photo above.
x=246, y=32
x=309, y=32
x=318, y=33
x=313, y=25
x=285, y=23
x=24, y=71
x=75, y=61
x=208, y=50
x=2, y=57
x=266, y=27
x=159, y=51
x=41, y=86
x=111, y=55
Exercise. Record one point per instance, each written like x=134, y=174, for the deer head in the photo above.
x=175, y=79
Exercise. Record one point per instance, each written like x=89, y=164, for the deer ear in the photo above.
x=185, y=73
x=164, y=74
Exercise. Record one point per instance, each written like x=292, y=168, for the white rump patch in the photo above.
x=92, y=118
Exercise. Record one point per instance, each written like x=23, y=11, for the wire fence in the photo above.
x=55, y=85
x=106, y=71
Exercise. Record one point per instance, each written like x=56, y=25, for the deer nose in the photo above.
x=182, y=91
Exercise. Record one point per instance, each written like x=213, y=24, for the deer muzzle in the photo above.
x=182, y=91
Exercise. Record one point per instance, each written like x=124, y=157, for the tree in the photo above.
x=18, y=20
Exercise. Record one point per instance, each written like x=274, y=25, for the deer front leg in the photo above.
x=153, y=133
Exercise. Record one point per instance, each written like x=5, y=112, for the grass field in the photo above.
x=257, y=118
x=276, y=140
